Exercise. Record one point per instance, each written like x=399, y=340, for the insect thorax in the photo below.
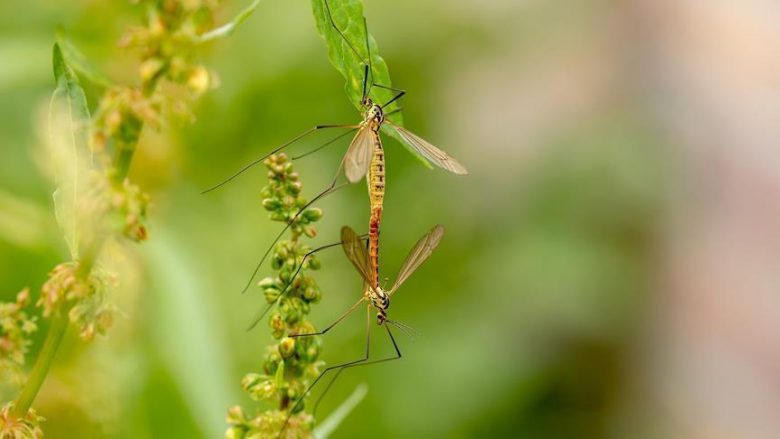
x=374, y=113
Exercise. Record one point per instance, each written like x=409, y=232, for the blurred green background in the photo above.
x=528, y=313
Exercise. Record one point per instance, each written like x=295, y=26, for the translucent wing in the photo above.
x=421, y=251
x=358, y=156
x=355, y=252
x=430, y=152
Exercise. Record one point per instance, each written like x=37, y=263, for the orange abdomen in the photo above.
x=376, y=194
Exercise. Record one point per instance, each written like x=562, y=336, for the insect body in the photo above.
x=377, y=298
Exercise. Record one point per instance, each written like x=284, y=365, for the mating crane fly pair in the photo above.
x=363, y=158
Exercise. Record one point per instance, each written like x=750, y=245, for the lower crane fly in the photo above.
x=376, y=298
x=364, y=156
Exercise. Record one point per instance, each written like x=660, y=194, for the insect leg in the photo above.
x=363, y=363
x=332, y=188
x=338, y=320
x=277, y=149
x=287, y=286
x=324, y=144
x=399, y=94
x=397, y=110
x=330, y=368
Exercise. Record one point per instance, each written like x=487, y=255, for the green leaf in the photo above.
x=279, y=376
x=228, y=28
x=348, y=58
x=69, y=123
x=329, y=425
x=80, y=63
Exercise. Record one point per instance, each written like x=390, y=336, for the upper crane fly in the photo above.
x=364, y=156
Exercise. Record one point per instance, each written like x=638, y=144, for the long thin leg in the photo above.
x=397, y=110
x=331, y=188
x=344, y=37
x=324, y=145
x=342, y=367
x=289, y=283
x=328, y=369
x=387, y=87
x=395, y=98
x=277, y=149
x=325, y=392
x=338, y=320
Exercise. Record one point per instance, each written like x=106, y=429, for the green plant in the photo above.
x=95, y=203
x=289, y=363
x=348, y=16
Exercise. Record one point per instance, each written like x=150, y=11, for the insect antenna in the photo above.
x=403, y=327
x=370, y=68
x=289, y=283
x=368, y=73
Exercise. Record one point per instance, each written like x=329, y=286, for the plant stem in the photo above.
x=59, y=323
x=59, y=320
x=126, y=143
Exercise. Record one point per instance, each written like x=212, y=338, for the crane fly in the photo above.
x=376, y=298
x=364, y=156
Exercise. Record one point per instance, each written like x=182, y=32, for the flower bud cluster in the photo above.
x=167, y=41
x=16, y=326
x=27, y=427
x=290, y=363
x=85, y=300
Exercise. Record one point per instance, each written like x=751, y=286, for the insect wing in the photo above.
x=430, y=152
x=358, y=156
x=355, y=252
x=421, y=251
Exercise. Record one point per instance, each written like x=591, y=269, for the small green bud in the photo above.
x=235, y=432
x=294, y=392
x=312, y=214
x=277, y=262
x=271, y=204
x=277, y=216
x=251, y=380
x=266, y=282
x=287, y=347
x=276, y=322
x=235, y=416
x=271, y=294
x=295, y=188
x=272, y=361
x=313, y=263
x=310, y=293
x=308, y=349
x=309, y=231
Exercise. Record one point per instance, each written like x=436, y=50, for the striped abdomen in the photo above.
x=376, y=194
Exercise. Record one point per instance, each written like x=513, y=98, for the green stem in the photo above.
x=126, y=143
x=59, y=323
x=57, y=328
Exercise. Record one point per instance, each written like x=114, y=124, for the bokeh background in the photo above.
x=610, y=265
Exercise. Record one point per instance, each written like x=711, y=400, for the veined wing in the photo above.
x=421, y=251
x=358, y=156
x=430, y=152
x=355, y=252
